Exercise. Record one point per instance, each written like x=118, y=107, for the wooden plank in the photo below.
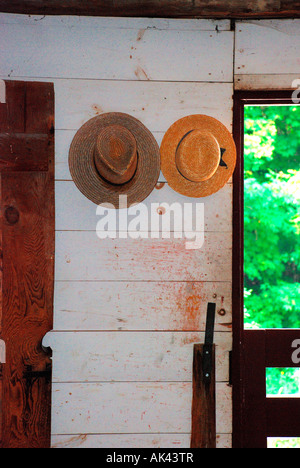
x=27, y=229
x=39, y=96
x=267, y=47
x=173, y=441
x=265, y=81
x=82, y=256
x=121, y=22
x=138, y=407
x=12, y=112
x=140, y=305
x=131, y=356
x=157, y=8
x=18, y=152
x=203, y=403
x=27, y=308
x=157, y=104
x=161, y=203
x=136, y=53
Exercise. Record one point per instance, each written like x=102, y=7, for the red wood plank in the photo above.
x=27, y=265
x=18, y=152
x=39, y=108
x=203, y=404
x=12, y=115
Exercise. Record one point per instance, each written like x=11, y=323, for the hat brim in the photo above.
x=85, y=175
x=168, y=151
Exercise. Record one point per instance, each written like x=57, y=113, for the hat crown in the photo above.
x=198, y=155
x=115, y=154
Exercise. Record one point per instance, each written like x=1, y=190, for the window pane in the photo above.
x=283, y=442
x=272, y=216
x=283, y=382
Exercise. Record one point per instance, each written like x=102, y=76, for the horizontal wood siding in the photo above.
x=140, y=305
x=267, y=54
x=131, y=407
x=131, y=356
x=117, y=53
x=128, y=311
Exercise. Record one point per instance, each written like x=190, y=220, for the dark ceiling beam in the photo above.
x=157, y=8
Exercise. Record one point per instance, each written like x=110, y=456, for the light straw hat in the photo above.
x=198, y=156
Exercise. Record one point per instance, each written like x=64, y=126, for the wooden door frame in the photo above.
x=242, y=98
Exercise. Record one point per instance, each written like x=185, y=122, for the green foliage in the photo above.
x=272, y=219
x=282, y=381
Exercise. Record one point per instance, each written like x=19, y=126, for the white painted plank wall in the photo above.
x=127, y=312
x=267, y=54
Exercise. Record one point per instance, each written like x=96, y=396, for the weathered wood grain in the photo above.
x=120, y=22
x=157, y=8
x=157, y=104
x=18, y=152
x=204, y=403
x=131, y=356
x=138, y=407
x=267, y=47
x=140, y=305
x=142, y=286
x=162, y=203
x=173, y=441
x=83, y=256
x=269, y=82
x=27, y=227
x=135, y=53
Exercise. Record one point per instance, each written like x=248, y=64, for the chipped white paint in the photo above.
x=2, y=92
x=70, y=202
x=140, y=51
x=131, y=407
x=267, y=47
x=132, y=356
x=81, y=256
x=173, y=441
x=140, y=305
x=270, y=82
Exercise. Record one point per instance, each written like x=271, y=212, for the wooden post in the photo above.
x=204, y=403
x=27, y=261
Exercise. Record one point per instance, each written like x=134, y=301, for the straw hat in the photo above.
x=114, y=154
x=198, y=156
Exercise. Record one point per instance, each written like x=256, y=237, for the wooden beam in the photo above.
x=27, y=237
x=157, y=8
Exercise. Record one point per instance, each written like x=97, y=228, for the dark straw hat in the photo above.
x=114, y=154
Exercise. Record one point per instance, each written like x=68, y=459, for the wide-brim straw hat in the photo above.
x=198, y=156
x=114, y=154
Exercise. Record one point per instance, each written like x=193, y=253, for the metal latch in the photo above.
x=208, y=344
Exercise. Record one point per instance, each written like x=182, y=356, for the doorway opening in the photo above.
x=266, y=270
